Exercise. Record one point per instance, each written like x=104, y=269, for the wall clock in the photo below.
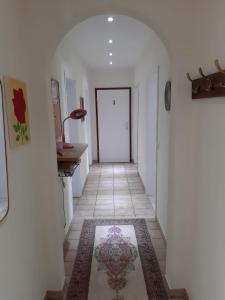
x=168, y=95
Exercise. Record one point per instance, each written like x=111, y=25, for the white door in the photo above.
x=135, y=116
x=152, y=116
x=113, y=107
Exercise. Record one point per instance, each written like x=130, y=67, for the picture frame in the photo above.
x=55, y=96
x=4, y=185
x=16, y=99
x=82, y=106
x=167, y=96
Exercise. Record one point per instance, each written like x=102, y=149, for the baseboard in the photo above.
x=160, y=228
x=54, y=295
x=178, y=294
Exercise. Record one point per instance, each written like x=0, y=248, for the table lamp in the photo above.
x=75, y=115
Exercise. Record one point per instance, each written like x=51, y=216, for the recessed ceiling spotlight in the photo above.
x=110, y=63
x=110, y=54
x=110, y=19
x=110, y=41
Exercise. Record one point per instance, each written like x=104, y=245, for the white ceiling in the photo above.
x=90, y=40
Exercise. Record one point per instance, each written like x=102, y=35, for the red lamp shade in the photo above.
x=75, y=115
x=78, y=114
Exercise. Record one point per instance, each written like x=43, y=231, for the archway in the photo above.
x=153, y=60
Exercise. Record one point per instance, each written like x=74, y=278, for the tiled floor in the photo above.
x=112, y=191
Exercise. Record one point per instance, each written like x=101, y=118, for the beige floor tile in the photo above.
x=137, y=191
x=68, y=268
x=155, y=233
x=161, y=254
x=123, y=205
x=91, y=197
x=162, y=265
x=76, y=227
x=84, y=206
x=141, y=211
x=74, y=235
x=103, y=212
x=76, y=221
x=104, y=206
x=108, y=197
x=105, y=192
x=152, y=224
x=124, y=212
x=83, y=213
x=90, y=192
x=70, y=255
x=104, y=202
x=121, y=196
x=142, y=205
x=71, y=245
x=158, y=243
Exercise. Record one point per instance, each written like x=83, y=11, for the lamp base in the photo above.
x=68, y=146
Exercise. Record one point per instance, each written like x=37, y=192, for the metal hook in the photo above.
x=189, y=77
x=206, y=78
x=219, y=67
x=202, y=74
x=195, y=90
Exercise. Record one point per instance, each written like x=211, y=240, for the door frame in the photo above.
x=97, y=122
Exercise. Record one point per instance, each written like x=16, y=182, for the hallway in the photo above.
x=112, y=191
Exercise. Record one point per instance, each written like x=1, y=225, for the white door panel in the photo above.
x=114, y=125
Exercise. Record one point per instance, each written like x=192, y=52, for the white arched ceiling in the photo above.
x=168, y=19
x=90, y=39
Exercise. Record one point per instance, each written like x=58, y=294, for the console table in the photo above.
x=70, y=160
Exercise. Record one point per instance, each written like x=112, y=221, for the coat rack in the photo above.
x=208, y=86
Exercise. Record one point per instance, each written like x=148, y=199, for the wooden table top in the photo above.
x=72, y=155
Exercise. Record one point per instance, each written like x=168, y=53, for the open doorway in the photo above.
x=123, y=185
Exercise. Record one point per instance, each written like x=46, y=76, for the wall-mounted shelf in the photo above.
x=70, y=160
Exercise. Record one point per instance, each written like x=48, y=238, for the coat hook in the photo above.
x=219, y=67
x=189, y=77
x=195, y=89
x=202, y=74
x=206, y=78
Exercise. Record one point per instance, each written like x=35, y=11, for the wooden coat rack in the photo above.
x=208, y=86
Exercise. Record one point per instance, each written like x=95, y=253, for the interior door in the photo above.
x=113, y=115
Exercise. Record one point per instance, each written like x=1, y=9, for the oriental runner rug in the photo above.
x=116, y=261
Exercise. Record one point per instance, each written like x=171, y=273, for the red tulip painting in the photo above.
x=18, y=119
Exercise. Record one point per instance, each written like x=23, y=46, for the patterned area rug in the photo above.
x=116, y=261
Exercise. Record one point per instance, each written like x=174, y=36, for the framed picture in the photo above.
x=167, y=97
x=4, y=194
x=82, y=106
x=56, y=108
x=17, y=111
x=55, y=90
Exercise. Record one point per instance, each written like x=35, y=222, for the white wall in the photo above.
x=106, y=78
x=31, y=254
x=193, y=33
x=198, y=157
x=155, y=55
x=67, y=63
